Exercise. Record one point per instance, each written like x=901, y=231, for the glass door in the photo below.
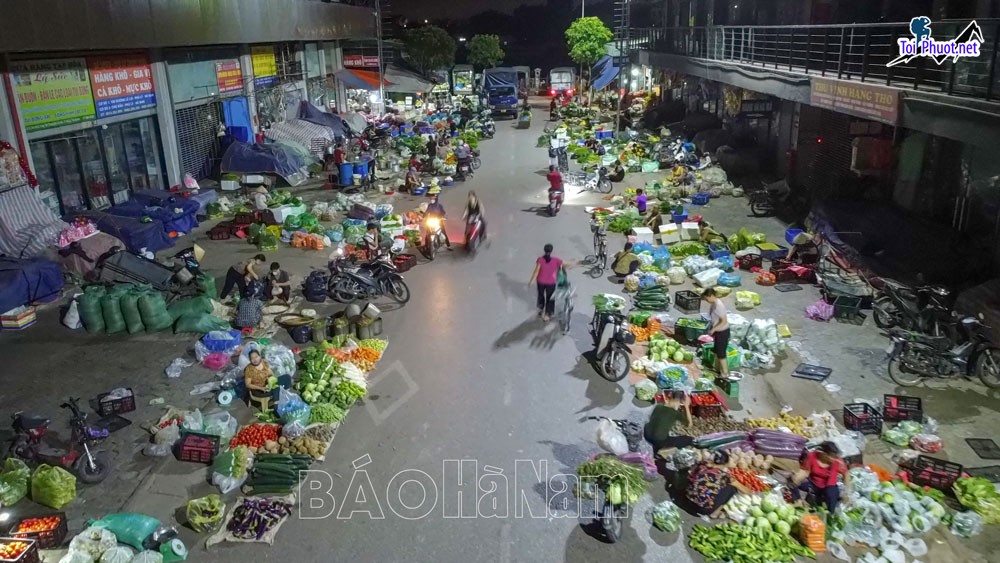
x=136, y=156
x=117, y=163
x=66, y=170
x=95, y=176
x=48, y=192
x=150, y=138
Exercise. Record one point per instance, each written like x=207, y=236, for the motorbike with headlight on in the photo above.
x=433, y=236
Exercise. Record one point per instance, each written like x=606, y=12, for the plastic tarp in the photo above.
x=313, y=114
x=193, y=202
x=237, y=117
x=356, y=122
x=176, y=216
x=131, y=230
x=604, y=72
x=405, y=82
x=313, y=137
x=27, y=225
x=244, y=158
x=500, y=77
x=354, y=79
x=28, y=281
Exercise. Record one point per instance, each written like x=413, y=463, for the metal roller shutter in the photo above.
x=197, y=135
x=830, y=165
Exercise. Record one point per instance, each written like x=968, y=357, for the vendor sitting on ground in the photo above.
x=806, y=247
x=278, y=285
x=256, y=374
x=625, y=262
x=818, y=476
x=617, y=172
x=412, y=180
x=662, y=421
x=640, y=201
x=260, y=198
x=592, y=144
x=250, y=309
x=708, y=235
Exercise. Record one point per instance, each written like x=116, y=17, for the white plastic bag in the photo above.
x=76, y=557
x=175, y=368
x=894, y=555
x=193, y=420
x=118, y=554
x=93, y=542
x=837, y=551
x=916, y=546
x=610, y=438
x=708, y=278
x=148, y=557
x=71, y=319
x=293, y=430
x=221, y=424
x=281, y=359
x=676, y=274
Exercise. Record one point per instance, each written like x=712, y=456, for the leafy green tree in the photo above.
x=429, y=48
x=485, y=51
x=587, y=38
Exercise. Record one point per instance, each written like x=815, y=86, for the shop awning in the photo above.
x=405, y=82
x=355, y=79
x=604, y=72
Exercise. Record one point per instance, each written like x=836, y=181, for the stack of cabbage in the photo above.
x=663, y=349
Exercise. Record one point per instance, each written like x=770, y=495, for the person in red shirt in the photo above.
x=546, y=272
x=339, y=155
x=555, y=179
x=820, y=469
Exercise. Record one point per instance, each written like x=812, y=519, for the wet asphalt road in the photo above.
x=472, y=374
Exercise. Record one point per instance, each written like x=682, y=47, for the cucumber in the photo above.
x=272, y=481
x=269, y=489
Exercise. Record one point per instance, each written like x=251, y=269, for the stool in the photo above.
x=261, y=401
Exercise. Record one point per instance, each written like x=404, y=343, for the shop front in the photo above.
x=91, y=128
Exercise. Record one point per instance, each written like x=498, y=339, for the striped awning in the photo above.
x=27, y=225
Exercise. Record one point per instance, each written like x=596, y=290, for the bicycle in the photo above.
x=566, y=296
x=600, y=249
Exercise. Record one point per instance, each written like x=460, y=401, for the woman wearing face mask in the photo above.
x=278, y=285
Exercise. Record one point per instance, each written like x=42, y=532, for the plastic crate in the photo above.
x=219, y=232
x=243, y=218
x=790, y=235
x=934, y=472
x=47, y=539
x=678, y=217
x=602, y=135
x=689, y=334
x=116, y=406
x=700, y=198
x=778, y=254
x=751, y=261
x=847, y=308
x=708, y=356
x=707, y=411
x=18, y=318
x=687, y=301
x=862, y=417
x=899, y=407
x=29, y=555
x=718, y=251
x=198, y=447
x=404, y=262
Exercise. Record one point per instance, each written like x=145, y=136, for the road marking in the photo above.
x=506, y=393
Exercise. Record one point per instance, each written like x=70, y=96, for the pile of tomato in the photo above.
x=13, y=550
x=748, y=480
x=255, y=435
x=39, y=524
x=703, y=399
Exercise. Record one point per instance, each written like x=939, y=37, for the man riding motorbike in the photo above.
x=435, y=209
x=555, y=179
x=464, y=159
x=474, y=211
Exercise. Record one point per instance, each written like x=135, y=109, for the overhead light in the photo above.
x=635, y=71
x=461, y=40
x=373, y=97
x=425, y=21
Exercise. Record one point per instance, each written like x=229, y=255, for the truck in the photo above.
x=500, y=86
x=562, y=81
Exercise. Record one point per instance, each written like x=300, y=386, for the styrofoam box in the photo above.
x=253, y=180
x=670, y=233
x=643, y=234
x=229, y=185
x=689, y=231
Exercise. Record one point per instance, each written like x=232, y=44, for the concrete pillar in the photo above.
x=337, y=64
x=246, y=67
x=165, y=119
x=7, y=130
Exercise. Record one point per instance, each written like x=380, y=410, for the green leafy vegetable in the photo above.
x=742, y=544
x=980, y=495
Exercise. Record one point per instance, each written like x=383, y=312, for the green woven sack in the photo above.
x=205, y=284
x=201, y=323
x=153, y=309
x=89, y=306
x=130, y=311
x=114, y=322
x=200, y=304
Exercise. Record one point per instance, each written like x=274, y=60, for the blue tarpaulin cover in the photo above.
x=312, y=114
x=174, y=216
x=604, y=72
x=27, y=281
x=244, y=158
x=131, y=230
x=500, y=77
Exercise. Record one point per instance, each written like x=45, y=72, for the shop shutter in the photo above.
x=830, y=165
x=197, y=135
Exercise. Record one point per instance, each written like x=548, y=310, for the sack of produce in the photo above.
x=153, y=308
x=199, y=323
x=708, y=278
x=979, y=494
x=118, y=554
x=93, y=542
x=14, y=479
x=666, y=517
x=91, y=313
x=130, y=311
x=130, y=528
x=111, y=309
x=730, y=280
x=645, y=390
x=52, y=486
x=747, y=300
x=722, y=290
x=206, y=285
x=966, y=524
x=610, y=438
x=927, y=443
x=677, y=275
x=195, y=305
x=205, y=513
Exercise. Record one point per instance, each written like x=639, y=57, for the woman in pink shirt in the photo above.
x=547, y=269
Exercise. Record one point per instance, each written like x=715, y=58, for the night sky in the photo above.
x=452, y=9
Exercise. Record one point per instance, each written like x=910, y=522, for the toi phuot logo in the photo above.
x=967, y=44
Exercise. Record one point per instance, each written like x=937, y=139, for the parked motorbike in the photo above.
x=596, y=181
x=89, y=465
x=433, y=237
x=474, y=234
x=913, y=356
x=613, y=516
x=611, y=344
x=562, y=159
x=771, y=199
x=925, y=309
x=349, y=282
x=555, y=202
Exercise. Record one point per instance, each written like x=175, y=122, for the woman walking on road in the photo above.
x=547, y=269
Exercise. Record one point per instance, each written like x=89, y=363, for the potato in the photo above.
x=742, y=464
x=252, y=449
x=282, y=441
x=270, y=444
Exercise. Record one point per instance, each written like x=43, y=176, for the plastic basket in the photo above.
x=898, y=407
x=419, y=191
x=223, y=345
x=708, y=356
x=687, y=301
x=718, y=251
x=790, y=235
x=847, y=308
x=115, y=406
x=47, y=539
x=778, y=254
x=404, y=262
x=29, y=555
x=678, y=217
x=690, y=331
x=602, y=135
x=700, y=198
x=862, y=417
x=934, y=472
x=707, y=411
x=750, y=261
x=198, y=447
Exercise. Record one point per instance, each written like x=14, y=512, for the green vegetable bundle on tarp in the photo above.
x=687, y=248
x=625, y=481
x=52, y=486
x=978, y=494
x=653, y=298
x=666, y=517
x=14, y=479
x=608, y=302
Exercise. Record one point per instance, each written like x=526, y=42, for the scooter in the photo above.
x=922, y=308
x=487, y=126
x=913, y=357
x=597, y=181
x=611, y=344
x=555, y=202
x=562, y=158
x=90, y=466
x=434, y=237
x=349, y=284
x=474, y=234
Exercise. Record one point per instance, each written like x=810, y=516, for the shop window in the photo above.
x=66, y=168
x=48, y=192
x=94, y=175
x=117, y=164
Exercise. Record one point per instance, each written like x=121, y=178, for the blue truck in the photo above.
x=501, y=86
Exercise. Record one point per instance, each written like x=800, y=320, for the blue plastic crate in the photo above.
x=602, y=135
x=790, y=235
x=700, y=198
x=774, y=254
x=419, y=191
x=678, y=217
x=718, y=251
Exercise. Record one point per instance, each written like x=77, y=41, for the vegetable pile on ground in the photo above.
x=254, y=518
x=345, y=394
x=797, y=424
x=666, y=517
x=326, y=413
x=319, y=372
x=663, y=349
x=276, y=474
x=980, y=495
x=688, y=248
x=255, y=436
x=700, y=426
x=652, y=298
x=748, y=479
x=204, y=513
x=743, y=544
x=625, y=481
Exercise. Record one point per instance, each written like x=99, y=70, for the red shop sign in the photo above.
x=229, y=76
x=121, y=84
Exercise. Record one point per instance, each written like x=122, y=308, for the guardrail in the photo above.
x=850, y=52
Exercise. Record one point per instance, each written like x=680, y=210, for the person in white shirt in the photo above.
x=260, y=198
x=719, y=317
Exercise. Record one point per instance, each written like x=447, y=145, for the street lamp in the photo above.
x=461, y=40
x=635, y=71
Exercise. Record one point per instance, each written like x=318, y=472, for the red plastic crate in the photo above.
x=47, y=539
x=116, y=406
x=404, y=262
x=198, y=447
x=899, y=407
x=29, y=555
x=707, y=411
x=751, y=261
x=243, y=218
x=932, y=472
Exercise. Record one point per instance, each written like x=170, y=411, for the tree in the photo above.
x=485, y=51
x=587, y=39
x=429, y=48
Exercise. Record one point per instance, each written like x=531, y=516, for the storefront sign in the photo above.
x=121, y=84
x=265, y=67
x=53, y=92
x=361, y=61
x=756, y=108
x=229, y=76
x=860, y=100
